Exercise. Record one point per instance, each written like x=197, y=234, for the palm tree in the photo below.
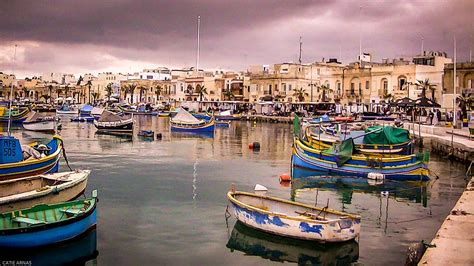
x=109, y=89
x=425, y=85
x=95, y=95
x=50, y=89
x=465, y=102
x=201, y=90
x=158, y=90
x=325, y=89
x=300, y=94
x=228, y=95
x=25, y=92
x=142, y=89
x=124, y=89
x=131, y=90
x=89, y=85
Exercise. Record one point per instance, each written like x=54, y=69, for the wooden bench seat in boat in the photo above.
x=311, y=215
x=27, y=221
x=72, y=211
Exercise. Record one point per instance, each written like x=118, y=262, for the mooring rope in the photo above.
x=64, y=154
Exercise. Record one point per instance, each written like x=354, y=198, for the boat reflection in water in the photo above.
x=74, y=252
x=414, y=191
x=275, y=248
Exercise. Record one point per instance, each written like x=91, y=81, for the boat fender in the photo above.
x=254, y=145
x=259, y=187
x=55, y=190
x=285, y=178
x=376, y=176
x=384, y=193
x=159, y=136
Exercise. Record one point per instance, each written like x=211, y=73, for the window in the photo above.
x=149, y=77
x=401, y=83
x=352, y=88
x=289, y=87
x=366, y=84
x=319, y=71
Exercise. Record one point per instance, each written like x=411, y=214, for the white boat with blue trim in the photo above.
x=293, y=219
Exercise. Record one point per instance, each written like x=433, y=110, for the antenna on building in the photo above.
x=422, y=45
x=197, y=52
x=301, y=44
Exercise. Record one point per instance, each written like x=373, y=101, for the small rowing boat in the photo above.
x=45, y=224
x=114, y=124
x=38, y=122
x=293, y=219
x=41, y=189
x=186, y=122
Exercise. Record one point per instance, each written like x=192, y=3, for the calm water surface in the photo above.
x=164, y=201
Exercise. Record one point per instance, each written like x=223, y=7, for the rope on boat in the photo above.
x=64, y=154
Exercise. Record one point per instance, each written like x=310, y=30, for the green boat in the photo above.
x=44, y=224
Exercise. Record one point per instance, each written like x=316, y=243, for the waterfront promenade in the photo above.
x=454, y=242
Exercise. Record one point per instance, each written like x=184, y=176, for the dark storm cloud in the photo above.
x=98, y=35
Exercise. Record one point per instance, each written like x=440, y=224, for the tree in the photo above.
x=131, y=90
x=66, y=90
x=50, y=89
x=25, y=92
x=124, y=89
x=158, y=90
x=326, y=90
x=228, y=95
x=109, y=90
x=465, y=102
x=95, y=95
x=201, y=91
x=142, y=89
x=89, y=85
x=425, y=85
x=300, y=94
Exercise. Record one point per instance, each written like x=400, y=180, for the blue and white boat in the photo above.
x=186, y=122
x=293, y=219
x=44, y=224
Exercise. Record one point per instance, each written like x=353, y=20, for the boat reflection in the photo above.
x=199, y=135
x=75, y=252
x=275, y=248
x=413, y=191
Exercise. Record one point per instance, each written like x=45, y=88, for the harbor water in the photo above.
x=164, y=201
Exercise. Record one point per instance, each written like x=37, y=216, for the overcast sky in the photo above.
x=128, y=35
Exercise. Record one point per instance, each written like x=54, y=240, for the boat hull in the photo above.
x=46, y=195
x=40, y=125
x=208, y=127
x=50, y=235
x=125, y=126
x=293, y=227
x=16, y=118
x=411, y=170
x=70, y=112
x=45, y=165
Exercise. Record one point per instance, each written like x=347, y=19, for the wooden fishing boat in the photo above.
x=141, y=110
x=341, y=161
x=39, y=122
x=66, y=109
x=293, y=219
x=45, y=224
x=146, y=133
x=25, y=192
x=228, y=115
x=282, y=249
x=374, y=141
x=186, y=122
x=17, y=115
x=113, y=123
x=21, y=161
x=82, y=118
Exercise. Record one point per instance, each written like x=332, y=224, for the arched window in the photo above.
x=402, y=81
x=384, y=86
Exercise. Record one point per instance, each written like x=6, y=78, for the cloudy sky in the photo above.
x=129, y=35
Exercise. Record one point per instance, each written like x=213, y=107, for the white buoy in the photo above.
x=376, y=176
x=384, y=193
x=259, y=187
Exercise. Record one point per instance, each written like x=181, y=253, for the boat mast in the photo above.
x=301, y=44
x=197, y=52
x=454, y=85
x=11, y=96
